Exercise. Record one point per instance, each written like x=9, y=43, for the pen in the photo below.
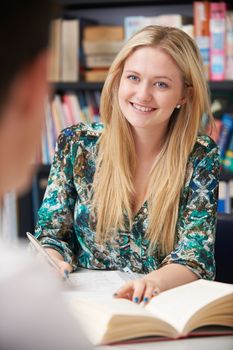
x=40, y=249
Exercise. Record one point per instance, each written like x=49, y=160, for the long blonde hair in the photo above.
x=113, y=181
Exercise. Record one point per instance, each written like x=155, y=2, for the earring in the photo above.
x=178, y=106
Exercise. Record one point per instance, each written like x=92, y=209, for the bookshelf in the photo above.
x=70, y=4
x=74, y=4
x=106, y=12
x=226, y=85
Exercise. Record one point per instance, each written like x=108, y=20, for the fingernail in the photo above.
x=135, y=300
x=115, y=294
x=155, y=292
x=145, y=299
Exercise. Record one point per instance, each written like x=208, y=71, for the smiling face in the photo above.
x=151, y=87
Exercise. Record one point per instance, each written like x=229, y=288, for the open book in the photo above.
x=175, y=313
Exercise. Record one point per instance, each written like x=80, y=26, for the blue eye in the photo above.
x=161, y=85
x=132, y=77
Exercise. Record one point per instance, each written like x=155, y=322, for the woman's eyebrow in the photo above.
x=154, y=77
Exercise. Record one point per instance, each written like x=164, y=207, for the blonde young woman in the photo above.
x=139, y=190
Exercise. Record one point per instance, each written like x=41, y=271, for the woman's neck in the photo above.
x=148, y=145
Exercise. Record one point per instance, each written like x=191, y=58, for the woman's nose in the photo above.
x=144, y=93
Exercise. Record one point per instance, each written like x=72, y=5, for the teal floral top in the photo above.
x=66, y=223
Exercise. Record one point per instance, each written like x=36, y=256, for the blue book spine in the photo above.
x=224, y=137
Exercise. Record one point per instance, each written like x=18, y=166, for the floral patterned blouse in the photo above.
x=65, y=221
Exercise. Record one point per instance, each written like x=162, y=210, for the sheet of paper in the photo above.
x=97, y=281
x=96, y=284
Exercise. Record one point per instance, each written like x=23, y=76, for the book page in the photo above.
x=107, y=320
x=176, y=306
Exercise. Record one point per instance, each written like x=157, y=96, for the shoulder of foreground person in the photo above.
x=33, y=312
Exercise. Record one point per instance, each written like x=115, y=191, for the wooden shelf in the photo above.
x=81, y=4
x=226, y=85
x=80, y=85
x=115, y=3
x=225, y=216
x=226, y=175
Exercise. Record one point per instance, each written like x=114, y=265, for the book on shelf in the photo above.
x=223, y=198
x=56, y=116
x=215, y=131
x=228, y=159
x=68, y=111
x=99, y=61
x=72, y=101
x=95, y=74
x=202, y=32
x=225, y=134
x=64, y=47
x=92, y=106
x=229, y=45
x=188, y=29
x=43, y=156
x=69, y=50
x=103, y=32
x=102, y=47
x=84, y=106
x=217, y=40
x=134, y=23
x=172, y=20
x=54, y=69
x=231, y=195
x=193, y=309
x=63, y=111
x=49, y=137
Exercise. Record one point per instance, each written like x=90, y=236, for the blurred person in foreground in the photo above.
x=33, y=314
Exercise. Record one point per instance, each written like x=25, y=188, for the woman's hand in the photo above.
x=64, y=267
x=166, y=277
x=139, y=290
